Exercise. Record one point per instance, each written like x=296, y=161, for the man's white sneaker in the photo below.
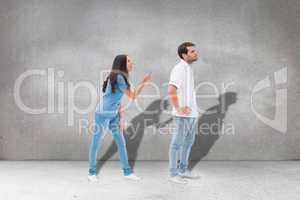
x=93, y=178
x=188, y=174
x=178, y=180
x=132, y=177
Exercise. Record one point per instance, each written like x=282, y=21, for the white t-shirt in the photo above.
x=182, y=78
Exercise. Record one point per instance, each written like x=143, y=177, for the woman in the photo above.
x=109, y=113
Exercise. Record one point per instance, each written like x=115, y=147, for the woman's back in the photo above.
x=109, y=102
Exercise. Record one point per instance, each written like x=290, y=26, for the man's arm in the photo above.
x=172, y=92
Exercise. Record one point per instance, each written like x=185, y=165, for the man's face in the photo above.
x=191, y=55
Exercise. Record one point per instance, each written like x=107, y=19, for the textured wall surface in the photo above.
x=250, y=48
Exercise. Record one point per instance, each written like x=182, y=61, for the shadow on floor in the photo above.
x=209, y=127
x=135, y=132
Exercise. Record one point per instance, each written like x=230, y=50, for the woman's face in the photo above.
x=129, y=64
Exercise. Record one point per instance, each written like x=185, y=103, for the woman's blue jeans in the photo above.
x=103, y=121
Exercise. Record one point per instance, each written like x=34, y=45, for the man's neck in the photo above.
x=187, y=62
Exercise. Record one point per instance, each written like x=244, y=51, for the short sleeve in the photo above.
x=175, y=77
x=122, y=85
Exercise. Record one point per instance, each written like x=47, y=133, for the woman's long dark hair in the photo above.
x=119, y=66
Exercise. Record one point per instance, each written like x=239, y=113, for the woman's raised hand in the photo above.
x=146, y=78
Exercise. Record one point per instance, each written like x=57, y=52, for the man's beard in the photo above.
x=193, y=60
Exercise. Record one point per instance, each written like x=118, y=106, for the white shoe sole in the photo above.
x=178, y=182
x=132, y=179
x=190, y=177
x=93, y=180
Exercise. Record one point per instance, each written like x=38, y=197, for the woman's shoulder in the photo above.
x=120, y=78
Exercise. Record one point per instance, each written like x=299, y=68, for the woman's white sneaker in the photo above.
x=93, y=178
x=132, y=177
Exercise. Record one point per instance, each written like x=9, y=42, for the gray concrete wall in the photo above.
x=240, y=43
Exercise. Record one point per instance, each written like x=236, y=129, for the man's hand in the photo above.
x=172, y=92
x=184, y=110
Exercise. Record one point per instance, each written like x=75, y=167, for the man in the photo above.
x=183, y=98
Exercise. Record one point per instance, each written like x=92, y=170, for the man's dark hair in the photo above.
x=183, y=48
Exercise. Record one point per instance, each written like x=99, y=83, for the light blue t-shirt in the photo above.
x=109, y=102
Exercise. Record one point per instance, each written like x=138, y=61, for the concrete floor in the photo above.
x=241, y=180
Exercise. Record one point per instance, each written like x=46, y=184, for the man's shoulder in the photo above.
x=178, y=67
x=179, y=64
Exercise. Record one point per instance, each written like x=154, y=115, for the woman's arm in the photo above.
x=135, y=92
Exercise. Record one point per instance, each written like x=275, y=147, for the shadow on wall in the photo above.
x=209, y=127
x=205, y=137
x=135, y=132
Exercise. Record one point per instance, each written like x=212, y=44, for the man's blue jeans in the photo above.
x=103, y=121
x=182, y=141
